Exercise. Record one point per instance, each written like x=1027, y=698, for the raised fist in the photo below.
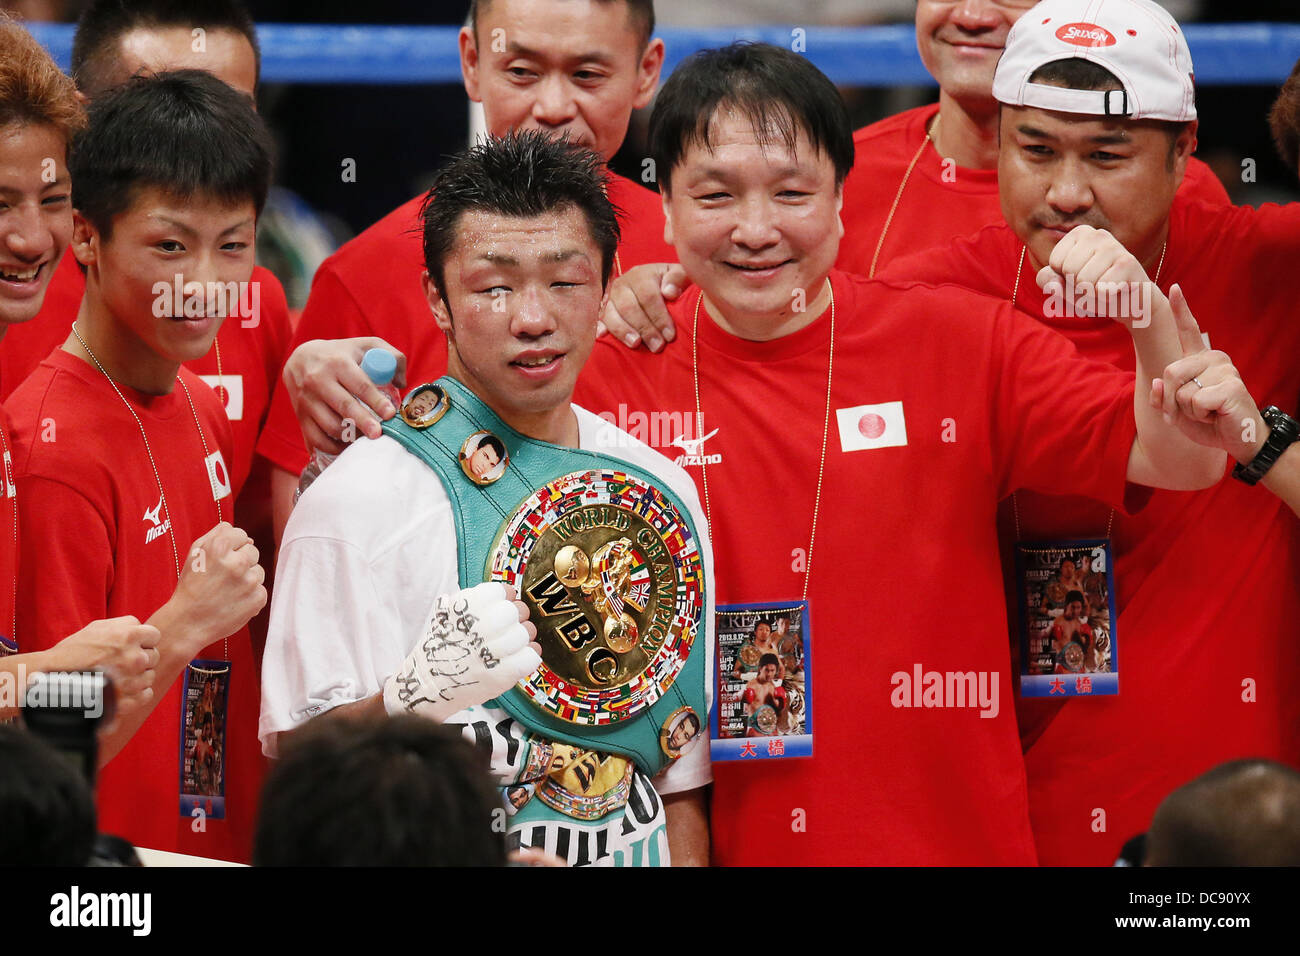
x=476, y=645
x=221, y=585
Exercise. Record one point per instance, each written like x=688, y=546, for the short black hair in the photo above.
x=46, y=805
x=1074, y=596
x=399, y=791
x=774, y=87
x=1076, y=73
x=521, y=175
x=186, y=133
x=1241, y=813
x=642, y=13
x=96, y=45
x=494, y=443
x=769, y=659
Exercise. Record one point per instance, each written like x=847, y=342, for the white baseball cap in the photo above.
x=1136, y=40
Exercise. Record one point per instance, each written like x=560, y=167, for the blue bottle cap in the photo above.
x=379, y=365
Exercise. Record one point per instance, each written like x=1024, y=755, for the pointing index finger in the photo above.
x=1189, y=333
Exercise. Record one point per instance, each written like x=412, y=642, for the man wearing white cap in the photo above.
x=920, y=178
x=1098, y=122
x=929, y=175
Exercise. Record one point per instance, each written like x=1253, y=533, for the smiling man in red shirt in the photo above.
x=859, y=437
x=119, y=451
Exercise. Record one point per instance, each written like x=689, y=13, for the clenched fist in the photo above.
x=476, y=645
x=1108, y=280
x=122, y=647
x=221, y=585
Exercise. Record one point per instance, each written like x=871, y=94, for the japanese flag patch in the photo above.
x=871, y=426
x=230, y=389
x=218, y=475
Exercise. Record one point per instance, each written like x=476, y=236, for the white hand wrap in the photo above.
x=472, y=649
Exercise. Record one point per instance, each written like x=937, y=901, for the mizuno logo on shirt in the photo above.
x=694, y=451
x=159, y=528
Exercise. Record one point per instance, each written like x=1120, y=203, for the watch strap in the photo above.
x=1283, y=431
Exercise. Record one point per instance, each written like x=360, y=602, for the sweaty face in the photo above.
x=1060, y=170
x=573, y=68
x=754, y=223
x=226, y=54
x=524, y=296
x=35, y=217
x=960, y=42
x=158, y=237
x=767, y=673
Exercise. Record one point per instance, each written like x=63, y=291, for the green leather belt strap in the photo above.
x=480, y=511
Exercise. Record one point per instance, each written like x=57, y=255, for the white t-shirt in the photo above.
x=367, y=550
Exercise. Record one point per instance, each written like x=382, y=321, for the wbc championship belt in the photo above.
x=605, y=556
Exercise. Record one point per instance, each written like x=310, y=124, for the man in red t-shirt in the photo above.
x=114, y=42
x=118, y=469
x=1203, y=668
x=42, y=113
x=851, y=440
x=928, y=175
x=920, y=178
x=571, y=67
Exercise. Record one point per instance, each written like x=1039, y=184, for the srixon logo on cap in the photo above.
x=1085, y=34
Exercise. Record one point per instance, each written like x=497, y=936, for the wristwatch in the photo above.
x=1284, y=430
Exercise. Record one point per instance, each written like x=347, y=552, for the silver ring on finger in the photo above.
x=1197, y=381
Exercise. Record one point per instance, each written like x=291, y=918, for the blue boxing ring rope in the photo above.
x=1225, y=54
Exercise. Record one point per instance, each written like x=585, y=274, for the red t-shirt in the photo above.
x=371, y=286
x=1205, y=582
x=8, y=543
x=905, y=569
x=88, y=502
x=939, y=203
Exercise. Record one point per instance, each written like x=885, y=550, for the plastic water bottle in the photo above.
x=380, y=366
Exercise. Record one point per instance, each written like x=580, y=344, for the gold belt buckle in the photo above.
x=614, y=584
